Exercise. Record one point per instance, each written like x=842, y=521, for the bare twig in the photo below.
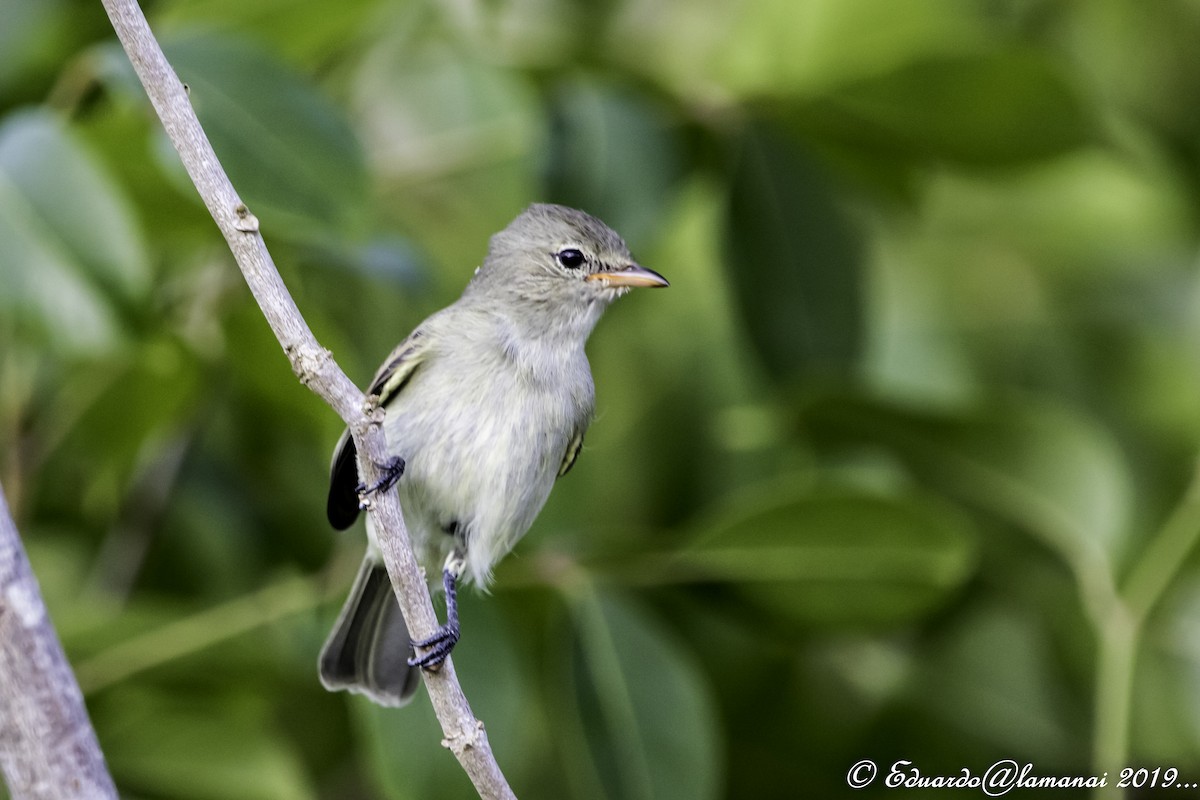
x=315, y=367
x=47, y=746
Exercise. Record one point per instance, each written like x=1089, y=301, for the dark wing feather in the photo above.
x=399, y=367
x=341, y=507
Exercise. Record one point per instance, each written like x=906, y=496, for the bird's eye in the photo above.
x=570, y=258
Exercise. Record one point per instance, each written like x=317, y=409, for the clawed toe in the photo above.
x=392, y=471
x=438, y=646
x=446, y=636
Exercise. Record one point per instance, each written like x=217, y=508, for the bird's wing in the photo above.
x=572, y=453
x=341, y=507
x=399, y=367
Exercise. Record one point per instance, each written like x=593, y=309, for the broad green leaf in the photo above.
x=453, y=141
x=1004, y=107
x=119, y=415
x=837, y=557
x=70, y=247
x=440, y=114
x=1047, y=468
x=43, y=291
x=262, y=370
x=1135, y=51
x=795, y=260
x=150, y=393
x=994, y=677
x=641, y=722
x=914, y=349
x=62, y=570
x=613, y=153
x=161, y=744
x=1089, y=213
x=1173, y=659
x=74, y=198
x=304, y=30
x=289, y=151
x=789, y=48
x=1164, y=729
x=31, y=40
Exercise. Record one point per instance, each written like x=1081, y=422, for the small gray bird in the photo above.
x=486, y=404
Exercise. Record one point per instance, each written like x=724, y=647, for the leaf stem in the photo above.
x=620, y=715
x=1120, y=631
x=1119, y=634
x=1164, y=557
x=197, y=632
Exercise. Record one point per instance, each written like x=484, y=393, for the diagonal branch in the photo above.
x=315, y=367
x=47, y=746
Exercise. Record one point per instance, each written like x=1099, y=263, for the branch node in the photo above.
x=308, y=362
x=246, y=222
x=372, y=410
x=465, y=739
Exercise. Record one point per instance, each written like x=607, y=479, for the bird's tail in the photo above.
x=369, y=648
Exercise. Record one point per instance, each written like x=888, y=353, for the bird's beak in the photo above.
x=632, y=275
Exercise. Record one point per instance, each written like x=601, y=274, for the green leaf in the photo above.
x=785, y=48
x=794, y=260
x=454, y=141
x=70, y=246
x=994, y=678
x=1093, y=212
x=613, y=153
x=119, y=416
x=1130, y=50
x=1169, y=669
x=34, y=38
x=838, y=556
x=71, y=193
x=642, y=721
x=160, y=744
x=303, y=30
x=1003, y=107
x=288, y=150
x=1047, y=468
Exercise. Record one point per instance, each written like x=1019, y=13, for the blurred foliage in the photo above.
x=901, y=467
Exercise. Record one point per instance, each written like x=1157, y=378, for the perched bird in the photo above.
x=485, y=406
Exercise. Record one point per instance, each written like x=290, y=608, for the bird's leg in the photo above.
x=439, y=645
x=392, y=470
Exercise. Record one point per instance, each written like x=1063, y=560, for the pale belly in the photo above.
x=478, y=470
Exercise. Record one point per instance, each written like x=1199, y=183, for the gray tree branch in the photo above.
x=47, y=746
x=316, y=368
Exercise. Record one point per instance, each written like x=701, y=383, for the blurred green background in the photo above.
x=901, y=467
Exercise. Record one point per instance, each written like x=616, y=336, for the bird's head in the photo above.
x=556, y=260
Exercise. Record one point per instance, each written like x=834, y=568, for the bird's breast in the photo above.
x=483, y=443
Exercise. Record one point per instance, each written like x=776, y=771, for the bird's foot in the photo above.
x=392, y=471
x=437, y=647
x=446, y=636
